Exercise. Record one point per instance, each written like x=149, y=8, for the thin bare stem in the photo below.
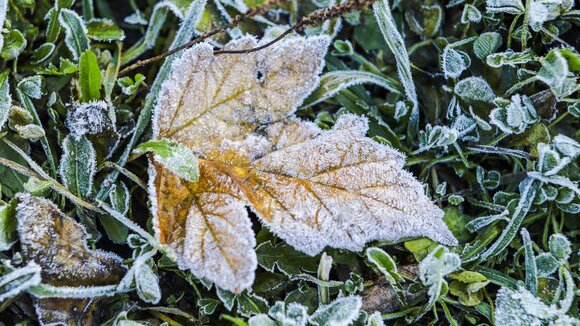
x=310, y=20
x=250, y=14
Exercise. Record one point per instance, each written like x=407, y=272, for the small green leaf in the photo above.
x=14, y=44
x=470, y=14
x=474, y=89
x=38, y=187
x=77, y=165
x=42, y=53
x=288, y=260
x=147, y=284
x=560, y=246
x=454, y=62
x=89, y=77
x=76, y=33
x=31, y=86
x=5, y=98
x=341, y=311
x=420, y=248
x=119, y=198
x=104, y=30
x=174, y=156
x=7, y=225
x=486, y=44
x=130, y=86
x=388, y=267
x=546, y=264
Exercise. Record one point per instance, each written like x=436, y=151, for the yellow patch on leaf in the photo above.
x=312, y=188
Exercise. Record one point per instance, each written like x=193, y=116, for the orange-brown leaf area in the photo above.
x=310, y=187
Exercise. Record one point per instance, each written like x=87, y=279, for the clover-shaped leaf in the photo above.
x=312, y=188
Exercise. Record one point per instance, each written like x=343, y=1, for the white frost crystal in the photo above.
x=521, y=308
x=90, y=118
x=516, y=116
x=313, y=188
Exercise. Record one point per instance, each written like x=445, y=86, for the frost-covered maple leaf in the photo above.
x=58, y=245
x=312, y=188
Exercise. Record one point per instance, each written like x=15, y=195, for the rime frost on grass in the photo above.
x=515, y=116
x=340, y=312
x=75, y=32
x=90, y=118
x=313, y=188
x=78, y=165
x=396, y=44
x=521, y=308
x=58, y=245
x=454, y=62
x=333, y=82
x=18, y=280
x=436, y=136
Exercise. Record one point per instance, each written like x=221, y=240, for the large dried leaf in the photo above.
x=313, y=188
x=58, y=244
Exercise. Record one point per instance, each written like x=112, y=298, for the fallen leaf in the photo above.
x=58, y=244
x=313, y=188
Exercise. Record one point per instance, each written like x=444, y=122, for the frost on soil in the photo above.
x=58, y=245
x=312, y=188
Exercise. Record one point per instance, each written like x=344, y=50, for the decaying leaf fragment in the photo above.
x=58, y=244
x=311, y=187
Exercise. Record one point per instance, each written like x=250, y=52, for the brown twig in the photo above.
x=310, y=20
x=313, y=19
x=259, y=10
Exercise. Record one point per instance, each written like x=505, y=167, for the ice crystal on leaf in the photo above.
x=520, y=307
x=57, y=244
x=313, y=188
x=90, y=118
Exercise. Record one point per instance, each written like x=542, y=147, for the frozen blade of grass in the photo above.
x=158, y=17
x=88, y=10
x=77, y=166
x=3, y=9
x=76, y=37
x=557, y=180
x=483, y=221
x=18, y=280
x=156, y=21
x=5, y=98
x=497, y=277
x=528, y=193
x=333, y=82
x=500, y=151
x=396, y=44
x=38, y=172
x=130, y=224
x=531, y=269
x=184, y=34
x=76, y=292
x=27, y=103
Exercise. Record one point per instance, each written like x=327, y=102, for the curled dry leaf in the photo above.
x=313, y=188
x=58, y=244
